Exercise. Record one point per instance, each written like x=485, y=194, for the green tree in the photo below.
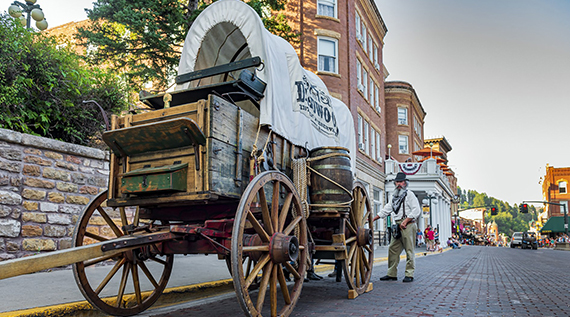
x=42, y=87
x=142, y=39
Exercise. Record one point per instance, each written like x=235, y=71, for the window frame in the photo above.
x=405, y=118
x=335, y=42
x=335, y=8
x=400, y=138
x=560, y=187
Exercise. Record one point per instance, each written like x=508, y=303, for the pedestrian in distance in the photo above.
x=404, y=208
x=430, y=239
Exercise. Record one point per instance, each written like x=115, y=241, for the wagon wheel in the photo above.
x=359, y=241
x=129, y=273
x=271, y=230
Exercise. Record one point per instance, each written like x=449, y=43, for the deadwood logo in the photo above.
x=316, y=105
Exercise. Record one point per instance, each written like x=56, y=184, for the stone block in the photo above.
x=33, y=194
x=15, y=167
x=30, y=205
x=9, y=228
x=73, y=159
x=2, y=245
x=54, y=231
x=31, y=231
x=97, y=164
x=5, y=211
x=67, y=187
x=56, y=197
x=36, y=182
x=77, y=200
x=78, y=178
x=65, y=244
x=86, y=170
x=16, y=214
x=12, y=246
x=97, y=181
x=70, y=209
x=53, y=173
x=5, y=257
x=34, y=217
x=53, y=155
x=38, y=245
x=16, y=181
x=37, y=161
x=97, y=221
x=4, y=180
x=67, y=166
x=11, y=154
x=49, y=207
x=31, y=170
x=59, y=219
x=10, y=198
x=90, y=190
x=32, y=151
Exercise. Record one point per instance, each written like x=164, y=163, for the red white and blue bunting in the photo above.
x=410, y=168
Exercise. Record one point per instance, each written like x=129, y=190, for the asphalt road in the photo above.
x=471, y=281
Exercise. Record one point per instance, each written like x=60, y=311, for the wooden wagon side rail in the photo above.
x=105, y=249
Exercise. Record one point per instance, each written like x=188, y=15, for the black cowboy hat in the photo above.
x=400, y=177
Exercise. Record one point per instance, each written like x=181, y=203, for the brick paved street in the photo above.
x=472, y=281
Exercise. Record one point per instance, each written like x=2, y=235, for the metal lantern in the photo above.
x=15, y=11
x=37, y=14
x=30, y=1
x=42, y=25
x=23, y=20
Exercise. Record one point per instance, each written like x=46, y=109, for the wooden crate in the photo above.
x=144, y=143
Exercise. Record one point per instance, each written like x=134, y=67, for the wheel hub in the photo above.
x=283, y=248
x=364, y=237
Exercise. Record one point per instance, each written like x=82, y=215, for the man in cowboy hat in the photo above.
x=405, y=210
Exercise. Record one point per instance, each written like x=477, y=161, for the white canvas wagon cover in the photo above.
x=297, y=104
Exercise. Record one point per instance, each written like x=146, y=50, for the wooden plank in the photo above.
x=173, y=199
x=113, y=163
x=201, y=171
x=187, y=110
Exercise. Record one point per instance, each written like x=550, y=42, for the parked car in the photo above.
x=529, y=241
x=516, y=240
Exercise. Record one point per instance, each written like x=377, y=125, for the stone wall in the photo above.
x=44, y=187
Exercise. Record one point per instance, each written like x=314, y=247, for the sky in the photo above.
x=492, y=75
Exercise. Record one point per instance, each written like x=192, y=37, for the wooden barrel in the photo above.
x=336, y=168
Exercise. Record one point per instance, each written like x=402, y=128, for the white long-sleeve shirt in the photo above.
x=413, y=209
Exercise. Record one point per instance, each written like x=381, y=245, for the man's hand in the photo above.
x=404, y=223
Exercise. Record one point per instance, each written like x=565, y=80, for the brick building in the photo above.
x=404, y=121
x=555, y=189
x=342, y=43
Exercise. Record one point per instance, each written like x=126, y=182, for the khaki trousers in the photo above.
x=406, y=242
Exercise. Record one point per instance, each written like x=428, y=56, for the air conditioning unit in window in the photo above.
x=361, y=146
x=377, y=66
x=360, y=38
x=360, y=87
x=378, y=109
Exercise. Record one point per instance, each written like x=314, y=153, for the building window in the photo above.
x=378, y=142
x=357, y=25
x=327, y=8
x=365, y=82
x=370, y=48
x=376, y=99
x=402, y=116
x=376, y=65
x=366, y=138
x=360, y=135
x=373, y=143
x=359, y=75
x=377, y=201
x=403, y=144
x=364, y=36
x=562, y=188
x=327, y=55
x=372, y=84
x=417, y=127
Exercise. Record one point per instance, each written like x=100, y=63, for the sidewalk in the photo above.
x=57, y=291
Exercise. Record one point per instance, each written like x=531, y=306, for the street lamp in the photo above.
x=17, y=9
x=389, y=148
x=429, y=197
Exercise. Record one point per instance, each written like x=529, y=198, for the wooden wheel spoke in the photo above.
x=351, y=251
x=351, y=228
x=364, y=219
x=350, y=240
x=357, y=268
x=275, y=206
x=110, y=222
x=262, y=248
x=136, y=219
x=283, y=285
x=263, y=285
x=257, y=227
x=155, y=259
x=284, y=211
x=123, y=285
x=361, y=259
x=148, y=274
x=109, y=276
x=367, y=247
x=273, y=290
x=94, y=236
x=265, y=215
x=352, y=258
x=292, y=225
x=123, y=216
x=136, y=283
x=251, y=277
x=292, y=270
x=365, y=260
